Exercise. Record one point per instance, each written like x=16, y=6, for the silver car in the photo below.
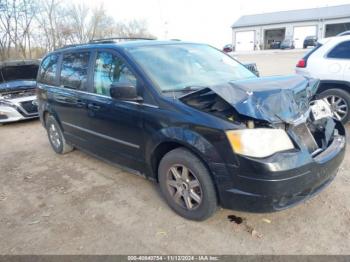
x=17, y=90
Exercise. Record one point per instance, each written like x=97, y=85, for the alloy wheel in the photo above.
x=54, y=136
x=338, y=106
x=184, y=187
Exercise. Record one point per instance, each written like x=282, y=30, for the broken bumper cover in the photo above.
x=280, y=185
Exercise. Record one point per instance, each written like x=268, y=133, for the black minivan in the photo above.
x=194, y=120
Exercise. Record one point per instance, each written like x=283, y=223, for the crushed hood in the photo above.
x=273, y=99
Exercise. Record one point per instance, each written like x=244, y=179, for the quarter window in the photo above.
x=48, y=70
x=74, y=70
x=341, y=51
x=110, y=69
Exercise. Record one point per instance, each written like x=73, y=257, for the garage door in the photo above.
x=245, y=41
x=301, y=32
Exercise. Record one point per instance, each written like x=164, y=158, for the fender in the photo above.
x=44, y=106
x=324, y=85
x=186, y=137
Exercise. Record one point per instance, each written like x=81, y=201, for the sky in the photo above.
x=207, y=21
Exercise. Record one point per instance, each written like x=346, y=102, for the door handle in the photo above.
x=61, y=99
x=80, y=103
x=94, y=107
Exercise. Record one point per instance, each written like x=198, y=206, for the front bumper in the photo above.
x=13, y=111
x=280, y=181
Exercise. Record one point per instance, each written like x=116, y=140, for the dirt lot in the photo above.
x=75, y=204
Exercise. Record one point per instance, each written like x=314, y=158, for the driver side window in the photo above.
x=110, y=69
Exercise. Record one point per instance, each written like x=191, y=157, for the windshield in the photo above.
x=177, y=67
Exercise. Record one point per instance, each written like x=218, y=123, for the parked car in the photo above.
x=330, y=62
x=228, y=48
x=275, y=45
x=287, y=44
x=194, y=120
x=17, y=90
x=344, y=33
x=310, y=41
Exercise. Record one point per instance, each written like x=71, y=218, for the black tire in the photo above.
x=341, y=94
x=198, y=174
x=305, y=46
x=56, y=138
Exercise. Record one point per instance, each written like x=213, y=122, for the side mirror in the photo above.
x=124, y=91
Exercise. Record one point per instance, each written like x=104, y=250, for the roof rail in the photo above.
x=72, y=45
x=119, y=39
x=107, y=41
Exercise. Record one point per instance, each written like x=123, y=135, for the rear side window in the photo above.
x=74, y=70
x=341, y=51
x=48, y=70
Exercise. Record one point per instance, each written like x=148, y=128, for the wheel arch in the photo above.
x=170, y=138
x=47, y=111
x=333, y=84
x=166, y=146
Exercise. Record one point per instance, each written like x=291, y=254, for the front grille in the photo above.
x=306, y=137
x=29, y=107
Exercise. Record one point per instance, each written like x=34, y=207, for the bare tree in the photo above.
x=101, y=25
x=136, y=28
x=26, y=10
x=32, y=27
x=16, y=18
x=78, y=22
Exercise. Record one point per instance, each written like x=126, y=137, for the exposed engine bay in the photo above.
x=17, y=94
x=17, y=90
x=259, y=104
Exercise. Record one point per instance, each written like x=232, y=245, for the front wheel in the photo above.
x=186, y=185
x=339, y=102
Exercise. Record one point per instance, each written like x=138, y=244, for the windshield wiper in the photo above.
x=182, y=90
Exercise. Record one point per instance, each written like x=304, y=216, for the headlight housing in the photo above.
x=259, y=142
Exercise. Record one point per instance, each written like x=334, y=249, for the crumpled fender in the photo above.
x=188, y=138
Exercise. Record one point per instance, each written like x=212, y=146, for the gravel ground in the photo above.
x=76, y=204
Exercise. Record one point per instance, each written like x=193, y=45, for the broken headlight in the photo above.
x=259, y=142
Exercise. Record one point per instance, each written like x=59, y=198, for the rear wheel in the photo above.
x=186, y=185
x=56, y=138
x=339, y=101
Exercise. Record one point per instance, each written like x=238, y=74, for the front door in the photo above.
x=116, y=125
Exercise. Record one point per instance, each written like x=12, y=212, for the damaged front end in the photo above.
x=286, y=147
x=17, y=90
x=282, y=103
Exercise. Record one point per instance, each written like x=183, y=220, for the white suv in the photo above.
x=329, y=61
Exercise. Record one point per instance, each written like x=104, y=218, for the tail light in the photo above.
x=301, y=63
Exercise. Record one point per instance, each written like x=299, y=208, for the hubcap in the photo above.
x=184, y=187
x=54, y=136
x=338, y=106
